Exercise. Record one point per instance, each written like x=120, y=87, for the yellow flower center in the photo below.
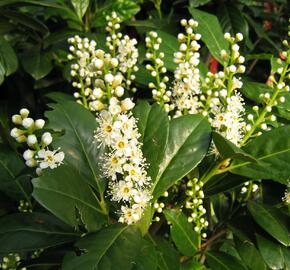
x=121, y=144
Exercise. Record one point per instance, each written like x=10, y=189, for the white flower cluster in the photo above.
x=194, y=202
x=249, y=187
x=11, y=262
x=157, y=69
x=186, y=86
x=228, y=120
x=99, y=75
x=37, y=155
x=124, y=165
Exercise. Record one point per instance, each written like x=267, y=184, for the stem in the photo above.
x=84, y=99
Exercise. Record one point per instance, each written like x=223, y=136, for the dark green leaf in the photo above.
x=80, y=7
x=272, y=150
x=250, y=255
x=112, y=248
x=147, y=258
x=229, y=150
x=168, y=46
x=187, y=145
x=192, y=265
x=182, y=233
x=64, y=192
x=12, y=182
x=153, y=124
x=223, y=261
x=34, y=230
x=211, y=32
x=8, y=58
x=271, y=252
x=270, y=222
x=232, y=19
x=36, y=63
x=78, y=143
x=253, y=90
x=168, y=258
x=197, y=3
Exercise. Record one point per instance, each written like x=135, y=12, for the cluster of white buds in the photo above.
x=11, y=262
x=228, y=120
x=157, y=69
x=249, y=187
x=128, y=56
x=37, y=155
x=124, y=164
x=263, y=118
x=24, y=206
x=98, y=75
x=186, y=86
x=194, y=202
x=113, y=27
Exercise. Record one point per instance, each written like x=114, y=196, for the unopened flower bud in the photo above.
x=24, y=113
x=46, y=138
x=17, y=119
x=31, y=140
x=28, y=123
x=28, y=154
x=39, y=123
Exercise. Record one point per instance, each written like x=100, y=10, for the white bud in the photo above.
x=127, y=104
x=98, y=63
x=16, y=119
x=28, y=154
x=31, y=140
x=109, y=78
x=250, y=117
x=31, y=163
x=282, y=99
x=239, y=36
x=119, y=91
x=15, y=132
x=114, y=62
x=46, y=138
x=39, y=123
x=264, y=126
x=24, y=112
x=27, y=123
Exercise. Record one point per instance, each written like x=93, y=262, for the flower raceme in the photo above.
x=38, y=154
x=124, y=164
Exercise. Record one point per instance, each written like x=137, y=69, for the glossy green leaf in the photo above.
x=37, y=63
x=80, y=7
x=192, y=265
x=253, y=90
x=65, y=193
x=168, y=258
x=112, y=248
x=12, y=181
x=182, y=233
x=168, y=46
x=32, y=231
x=211, y=32
x=223, y=261
x=197, y=3
x=250, y=255
x=270, y=222
x=2, y=73
x=187, y=145
x=147, y=257
x=232, y=19
x=78, y=143
x=271, y=252
x=8, y=58
x=272, y=150
x=229, y=150
x=153, y=124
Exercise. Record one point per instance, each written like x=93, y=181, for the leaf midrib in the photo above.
x=71, y=197
x=83, y=149
x=110, y=244
x=259, y=158
x=173, y=156
x=219, y=261
x=185, y=233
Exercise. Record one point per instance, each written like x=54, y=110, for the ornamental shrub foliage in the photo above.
x=144, y=135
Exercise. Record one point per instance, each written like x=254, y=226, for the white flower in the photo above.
x=122, y=190
x=127, y=104
x=129, y=215
x=51, y=159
